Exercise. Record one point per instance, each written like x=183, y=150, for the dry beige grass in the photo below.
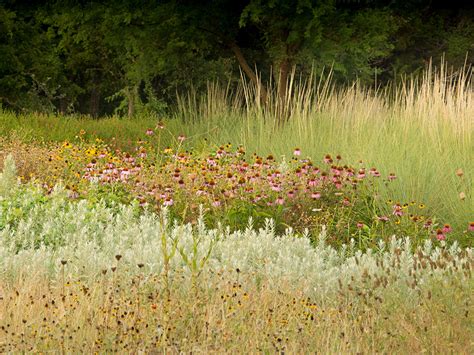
x=123, y=314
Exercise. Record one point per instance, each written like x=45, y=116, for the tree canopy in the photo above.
x=97, y=57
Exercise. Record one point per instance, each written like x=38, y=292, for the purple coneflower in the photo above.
x=327, y=159
x=471, y=227
x=447, y=228
x=168, y=202
x=440, y=235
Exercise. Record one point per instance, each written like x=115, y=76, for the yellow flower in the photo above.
x=421, y=206
x=90, y=152
x=168, y=150
x=67, y=145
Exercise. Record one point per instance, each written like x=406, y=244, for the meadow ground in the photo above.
x=350, y=229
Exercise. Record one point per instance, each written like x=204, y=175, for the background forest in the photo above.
x=127, y=57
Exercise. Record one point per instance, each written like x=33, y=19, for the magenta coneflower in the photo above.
x=471, y=227
x=428, y=224
x=397, y=210
x=276, y=187
x=440, y=235
x=168, y=201
x=360, y=225
x=327, y=159
x=280, y=200
x=297, y=152
x=447, y=228
x=149, y=132
x=374, y=172
x=315, y=195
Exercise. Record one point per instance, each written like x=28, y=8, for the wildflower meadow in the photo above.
x=348, y=227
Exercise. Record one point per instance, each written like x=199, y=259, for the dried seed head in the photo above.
x=63, y=262
x=113, y=268
x=140, y=265
x=118, y=257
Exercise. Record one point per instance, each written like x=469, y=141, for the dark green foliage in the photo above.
x=100, y=57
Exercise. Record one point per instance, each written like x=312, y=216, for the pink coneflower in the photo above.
x=276, y=187
x=216, y=203
x=280, y=200
x=315, y=195
x=361, y=174
x=391, y=176
x=447, y=228
x=168, y=201
x=291, y=194
x=397, y=210
x=383, y=218
x=338, y=184
x=297, y=152
x=360, y=225
x=181, y=138
x=149, y=132
x=327, y=159
x=471, y=227
x=374, y=172
x=440, y=235
x=428, y=224
x=312, y=182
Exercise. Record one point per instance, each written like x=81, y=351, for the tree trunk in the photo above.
x=248, y=71
x=63, y=105
x=94, y=105
x=282, y=109
x=283, y=74
x=131, y=103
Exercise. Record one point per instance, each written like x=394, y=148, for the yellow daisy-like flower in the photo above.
x=67, y=145
x=421, y=206
x=91, y=152
x=168, y=150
